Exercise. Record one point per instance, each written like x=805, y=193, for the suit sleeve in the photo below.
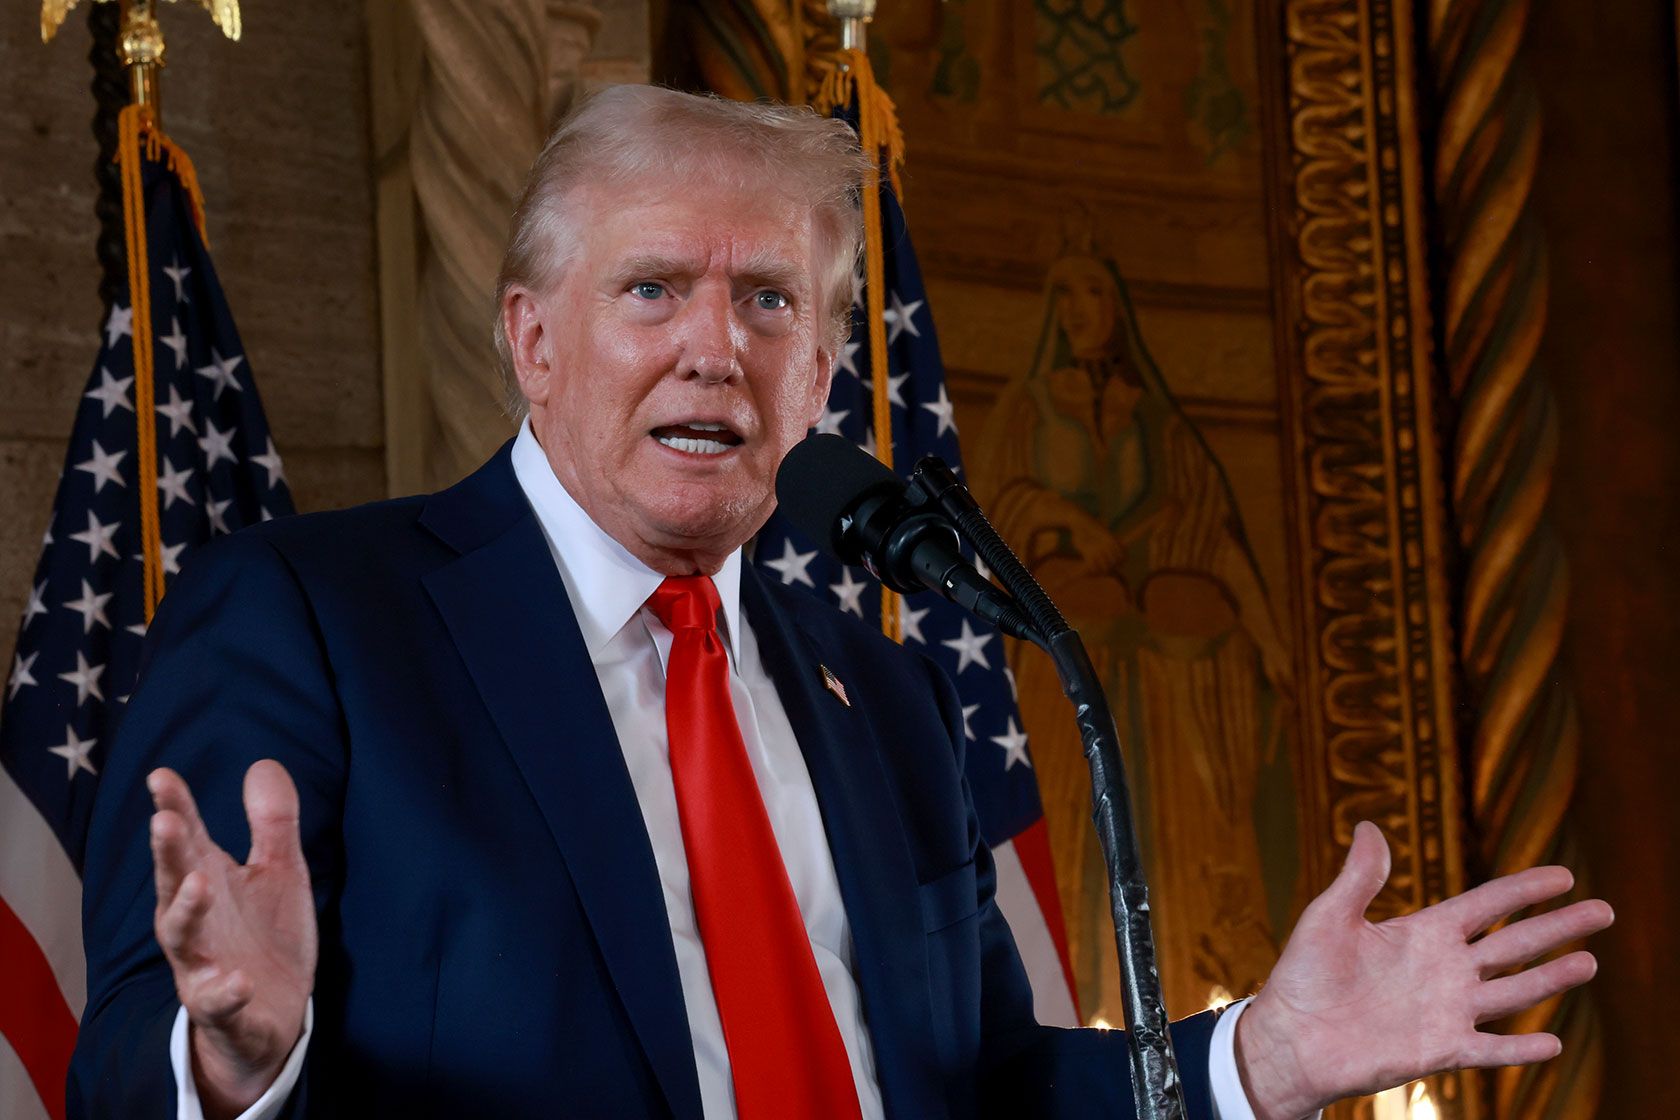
x=234, y=671
x=1028, y=1070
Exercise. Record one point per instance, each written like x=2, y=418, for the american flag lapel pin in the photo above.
x=832, y=683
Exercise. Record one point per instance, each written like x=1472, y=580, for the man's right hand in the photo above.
x=241, y=940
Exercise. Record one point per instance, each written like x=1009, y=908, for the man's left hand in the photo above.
x=1354, y=1007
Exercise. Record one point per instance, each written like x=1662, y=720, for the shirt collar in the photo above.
x=607, y=585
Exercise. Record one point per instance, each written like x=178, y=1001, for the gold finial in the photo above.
x=224, y=12
x=854, y=16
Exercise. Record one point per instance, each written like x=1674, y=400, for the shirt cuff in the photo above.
x=1230, y=1101
x=267, y=1106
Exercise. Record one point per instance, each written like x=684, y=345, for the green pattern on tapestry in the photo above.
x=1213, y=100
x=957, y=73
x=1079, y=62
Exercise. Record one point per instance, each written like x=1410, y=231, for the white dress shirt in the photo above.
x=629, y=647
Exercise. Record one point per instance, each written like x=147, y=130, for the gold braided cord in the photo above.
x=134, y=128
x=1524, y=754
x=879, y=135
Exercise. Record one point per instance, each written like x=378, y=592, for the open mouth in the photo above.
x=698, y=437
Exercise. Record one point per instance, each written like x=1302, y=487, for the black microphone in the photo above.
x=858, y=512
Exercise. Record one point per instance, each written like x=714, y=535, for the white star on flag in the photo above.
x=179, y=412
x=970, y=647
x=91, y=607
x=175, y=272
x=173, y=484
x=36, y=605
x=910, y=622
x=216, y=445
x=20, y=673
x=850, y=592
x=858, y=283
x=215, y=510
x=843, y=360
x=830, y=422
x=868, y=444
x=86, y=679
x=793, y=564
x=103, y=467
x=220, y=372
x=177, y=342
x=120, y=323
x=170, y=556
x=895, y=388
x=75, y=752
x=111, y=393
x=1009, y=675
x=270, y=462
x=1014, y=744
x=97, y=537
x=900, y=317
x=968, y=712
x=942, y=409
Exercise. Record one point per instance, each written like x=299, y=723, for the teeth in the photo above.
x=695, y=446
x=707, y=427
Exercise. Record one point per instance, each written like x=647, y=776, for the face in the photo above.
x=675, y=363
x=1086, y=305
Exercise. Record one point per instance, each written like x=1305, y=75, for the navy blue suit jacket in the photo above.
x=492, y=935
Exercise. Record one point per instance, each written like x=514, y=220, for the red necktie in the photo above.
x=785, y=1053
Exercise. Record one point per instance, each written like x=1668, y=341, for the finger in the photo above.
x=1499, y=998
x=1534, y=937
x=1509, y=1050
x=1476, y=910
x=1361, y=877
x=170, y=794
x=180, y=925
x=170, y=860
x=271, y=805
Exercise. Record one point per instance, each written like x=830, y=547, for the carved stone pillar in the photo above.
x=463, y=94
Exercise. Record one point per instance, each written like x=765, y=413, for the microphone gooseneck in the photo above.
x=861, y=513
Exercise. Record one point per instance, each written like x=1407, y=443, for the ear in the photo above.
x=820, y=387
x=522, y=324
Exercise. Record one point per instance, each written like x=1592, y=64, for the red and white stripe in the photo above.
x=43, y=977
x=1027, y=895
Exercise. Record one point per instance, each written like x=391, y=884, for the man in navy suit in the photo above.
x=466, y=883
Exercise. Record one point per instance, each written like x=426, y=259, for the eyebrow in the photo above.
x=765, y=267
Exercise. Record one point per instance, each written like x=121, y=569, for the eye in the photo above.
x=648, y=290
x=770, y=300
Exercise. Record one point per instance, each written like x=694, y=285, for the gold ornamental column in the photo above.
x=1524, y=750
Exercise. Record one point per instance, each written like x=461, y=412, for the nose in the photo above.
x=711, y=335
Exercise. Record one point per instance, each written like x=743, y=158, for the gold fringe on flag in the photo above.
x=138, y=137
x=879, y=135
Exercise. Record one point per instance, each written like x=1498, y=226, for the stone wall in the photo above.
x=277, y=127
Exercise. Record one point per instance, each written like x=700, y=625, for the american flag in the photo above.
x=1000, y=769
x=78, y=645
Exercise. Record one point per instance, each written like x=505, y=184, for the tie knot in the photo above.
x=686, y=603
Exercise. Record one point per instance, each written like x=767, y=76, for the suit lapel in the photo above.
x=871, y=853
x=506, y=608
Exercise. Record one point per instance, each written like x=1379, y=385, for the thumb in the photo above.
x=1362, y=876
x=271, y=807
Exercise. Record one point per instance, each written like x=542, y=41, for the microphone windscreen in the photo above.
x=823, y=478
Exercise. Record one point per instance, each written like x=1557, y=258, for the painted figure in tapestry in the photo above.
x=1108, y=492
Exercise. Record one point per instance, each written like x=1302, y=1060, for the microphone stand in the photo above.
x=1156, y=1087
